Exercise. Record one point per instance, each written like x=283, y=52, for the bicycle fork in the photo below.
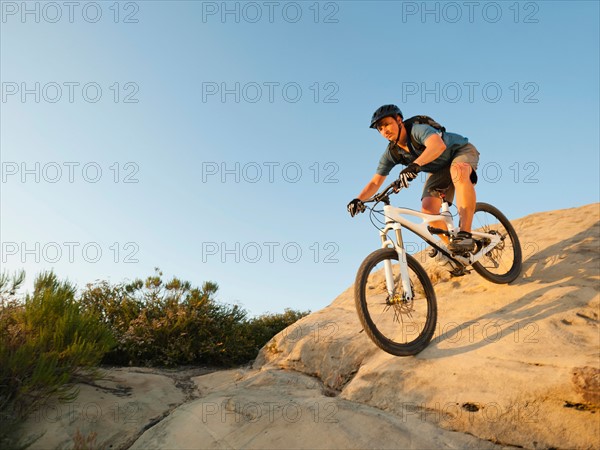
x=403, y=263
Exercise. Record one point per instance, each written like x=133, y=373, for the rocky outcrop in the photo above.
x=509, y=365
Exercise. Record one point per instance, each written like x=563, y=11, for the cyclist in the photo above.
x=449, y=158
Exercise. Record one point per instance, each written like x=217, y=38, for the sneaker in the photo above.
x=462, y=242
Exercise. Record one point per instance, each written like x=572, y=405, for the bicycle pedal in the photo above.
x=466, y=252
x=459, y=272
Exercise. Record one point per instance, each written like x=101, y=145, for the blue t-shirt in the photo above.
x=420, y=132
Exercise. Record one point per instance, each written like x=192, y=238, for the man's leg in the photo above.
x=465, y=193
x=462, y=171
x=432, y=205
x=430, y=202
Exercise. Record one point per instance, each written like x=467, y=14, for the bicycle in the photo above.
x=394, y=296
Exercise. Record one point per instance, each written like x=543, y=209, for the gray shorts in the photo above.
x=442, y=178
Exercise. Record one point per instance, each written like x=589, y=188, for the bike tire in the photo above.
x=510, y=253
x=371, y=308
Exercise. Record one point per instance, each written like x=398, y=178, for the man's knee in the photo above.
x=431, y=205
x=462, y=172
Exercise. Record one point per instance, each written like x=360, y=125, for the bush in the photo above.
x=51, y=339
x=264, y=327
x=172, y=323
x=46, y=343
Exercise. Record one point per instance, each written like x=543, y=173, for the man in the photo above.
x=449, y=159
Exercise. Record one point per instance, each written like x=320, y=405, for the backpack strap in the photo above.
x=398, y=155
x=415, y=147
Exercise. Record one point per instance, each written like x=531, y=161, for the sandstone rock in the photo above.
x=514, y=365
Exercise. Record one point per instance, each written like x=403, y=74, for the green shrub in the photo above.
x=172, y=323
x=51, y=339
x=264, y=327
x=46, y=343
x=158, y=323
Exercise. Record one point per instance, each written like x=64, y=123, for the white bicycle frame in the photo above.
x=395, y=221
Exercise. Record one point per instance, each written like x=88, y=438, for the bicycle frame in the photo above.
x=395, y=221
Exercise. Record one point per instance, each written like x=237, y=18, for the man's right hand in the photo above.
x=356, y=206
x=407, y=175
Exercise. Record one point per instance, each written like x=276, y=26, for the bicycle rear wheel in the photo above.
x=398, y=326
x=503, y=263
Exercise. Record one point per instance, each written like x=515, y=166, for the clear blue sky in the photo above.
x=222, y=141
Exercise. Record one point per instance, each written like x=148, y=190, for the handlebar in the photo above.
x=384, y=196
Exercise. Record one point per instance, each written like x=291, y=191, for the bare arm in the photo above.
x=434, y=147
x=372, y=187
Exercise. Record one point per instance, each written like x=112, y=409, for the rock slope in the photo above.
x=509, y=366
x=513, y=364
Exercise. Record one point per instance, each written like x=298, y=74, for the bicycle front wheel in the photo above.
x=398, y=326
x=504, y=262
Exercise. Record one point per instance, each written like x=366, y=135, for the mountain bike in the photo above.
x=394, y=296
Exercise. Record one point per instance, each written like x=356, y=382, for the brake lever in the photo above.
x=379, y=197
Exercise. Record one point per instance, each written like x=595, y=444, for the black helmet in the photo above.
x=384, y=111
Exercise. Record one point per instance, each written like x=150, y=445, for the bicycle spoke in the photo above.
x=502, y=263
x=398, y=319
x=496, y=260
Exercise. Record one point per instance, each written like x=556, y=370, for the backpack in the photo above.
x=415, y=148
